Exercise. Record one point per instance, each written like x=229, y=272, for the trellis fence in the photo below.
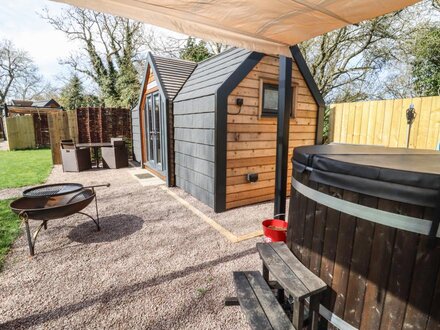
x=81, y=125
x=384, y=123
x=101, y=124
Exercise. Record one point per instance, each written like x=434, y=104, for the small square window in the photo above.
x=270, y=100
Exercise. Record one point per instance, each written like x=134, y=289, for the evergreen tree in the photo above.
x=195, y=51
x=72, y=94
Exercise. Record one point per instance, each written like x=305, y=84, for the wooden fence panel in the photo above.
x=101, y=124
x=384, y=123
x=20, y=132
x=58, y=130
x=73, y=125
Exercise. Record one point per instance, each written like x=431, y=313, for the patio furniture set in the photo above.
x=77, y=157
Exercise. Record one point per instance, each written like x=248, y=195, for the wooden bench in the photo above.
x=258, y=303
x=296, y=279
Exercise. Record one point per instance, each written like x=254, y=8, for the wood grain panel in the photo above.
x=384, y=123
x=251, y=139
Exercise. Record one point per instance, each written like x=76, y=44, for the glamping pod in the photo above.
x=366, y=220
x=152, y=118
x=222, y=150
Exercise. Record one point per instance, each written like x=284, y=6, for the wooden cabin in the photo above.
x=152, y=118
x=225, y=122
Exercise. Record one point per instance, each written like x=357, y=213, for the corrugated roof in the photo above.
x=212, y=73
x=172, y=73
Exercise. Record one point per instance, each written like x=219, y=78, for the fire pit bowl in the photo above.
x=49, y=202
x=53, y=207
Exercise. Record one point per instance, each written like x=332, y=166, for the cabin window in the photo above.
x=269, y=99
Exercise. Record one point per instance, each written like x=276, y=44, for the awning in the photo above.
x=268, y=26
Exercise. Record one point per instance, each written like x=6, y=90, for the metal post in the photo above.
x=284, y=110
x=28, y=235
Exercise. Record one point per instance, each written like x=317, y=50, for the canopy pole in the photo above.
x=284, y=110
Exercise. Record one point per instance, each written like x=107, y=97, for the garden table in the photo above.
x=95, y=146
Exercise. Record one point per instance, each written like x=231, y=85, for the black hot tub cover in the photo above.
x=405, y=175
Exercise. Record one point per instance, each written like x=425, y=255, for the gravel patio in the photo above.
x=154, y=265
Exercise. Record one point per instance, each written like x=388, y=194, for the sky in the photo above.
x=20, y=22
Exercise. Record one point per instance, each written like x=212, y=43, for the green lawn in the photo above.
x=9, y=228
x=24, y=167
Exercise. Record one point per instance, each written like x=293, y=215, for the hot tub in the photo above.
x=365, y=220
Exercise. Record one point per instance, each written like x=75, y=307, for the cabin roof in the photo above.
x=171, y=73
x=210, y=74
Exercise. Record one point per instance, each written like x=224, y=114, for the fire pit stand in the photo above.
x=54, y=201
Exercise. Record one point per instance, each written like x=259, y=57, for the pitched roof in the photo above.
x=22, y=103
x=45, y=103
x=171, y=73
x=40, y=103
x=210, y=74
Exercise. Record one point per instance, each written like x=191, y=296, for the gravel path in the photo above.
x=12, y=192
x=154, y=265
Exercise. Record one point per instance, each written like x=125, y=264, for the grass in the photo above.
x=9, y=229
x=24, y=167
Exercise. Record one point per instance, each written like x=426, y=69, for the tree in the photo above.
x=72, y=94
x=172, y=46
x=16, y=68
x=194, y=50
x=111, y=46
x=352, y=55
x=360, y=61
x=426, y=65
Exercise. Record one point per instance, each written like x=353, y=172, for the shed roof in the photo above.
x=210, y=74
x=171, y=73
x=44, y=103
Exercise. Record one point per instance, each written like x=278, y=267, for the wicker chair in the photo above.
x=115, y=156
x=74, y=159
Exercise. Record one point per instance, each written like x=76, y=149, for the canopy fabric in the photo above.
x=268, y=26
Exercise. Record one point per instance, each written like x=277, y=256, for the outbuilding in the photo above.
x=224, y=116
x=152, y=117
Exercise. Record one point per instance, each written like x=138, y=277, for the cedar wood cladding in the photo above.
x=200, y=119
x=170, y=75
x=195, y=124
x=251, y=139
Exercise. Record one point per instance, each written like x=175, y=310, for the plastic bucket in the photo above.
x=274, y=230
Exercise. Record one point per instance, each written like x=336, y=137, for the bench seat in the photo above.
x=258, y=303
x=295, y=279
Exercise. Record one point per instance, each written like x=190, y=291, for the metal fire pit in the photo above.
x=49, y=202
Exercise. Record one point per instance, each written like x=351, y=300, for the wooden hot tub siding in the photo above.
x=379, y=277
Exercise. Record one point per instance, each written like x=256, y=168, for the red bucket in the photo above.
x=274, y=230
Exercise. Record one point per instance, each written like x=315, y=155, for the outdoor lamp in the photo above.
x=410, y=114
x=410, y=117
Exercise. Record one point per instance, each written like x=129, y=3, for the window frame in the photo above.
x=272, y=114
